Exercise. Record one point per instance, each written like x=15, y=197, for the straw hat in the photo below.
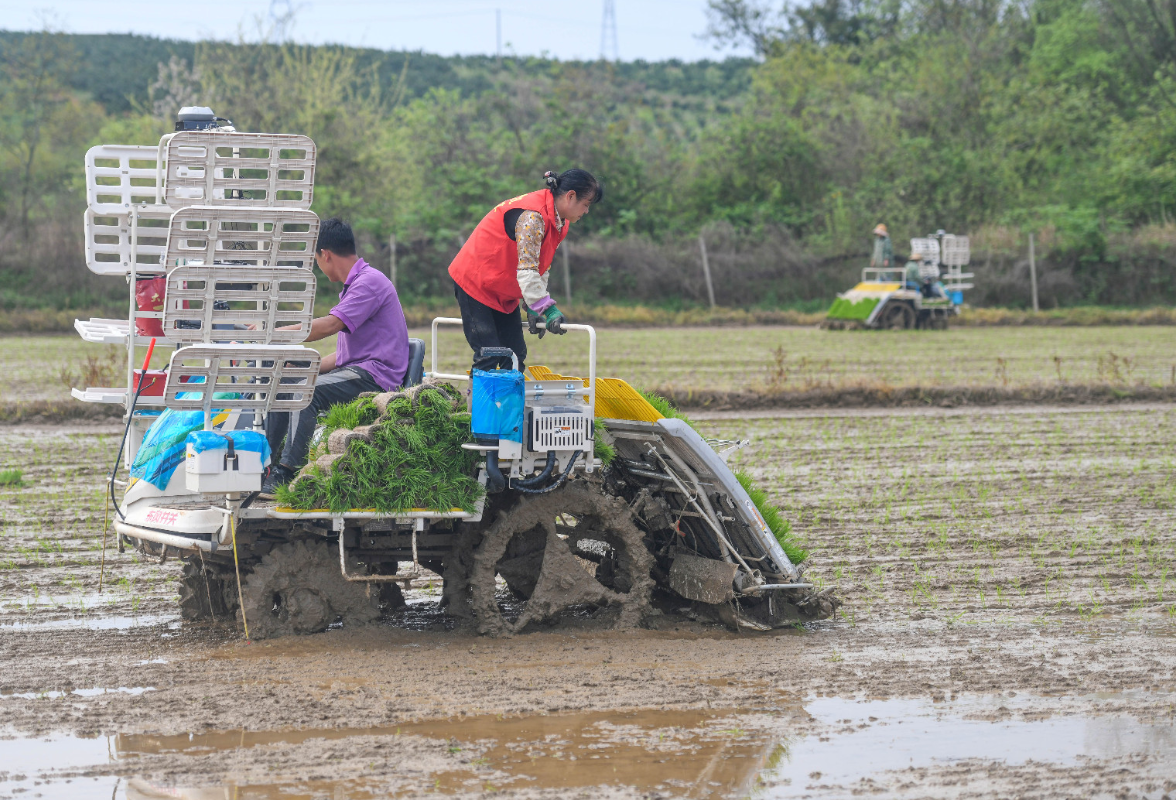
x=881, y=230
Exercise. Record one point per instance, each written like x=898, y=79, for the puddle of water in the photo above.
x=695, y=753
x=692, y=753
x=96, y=623
x=877, y=736
x=75, y=600
x=133, y=690
x=644, y=749
x=420, y=614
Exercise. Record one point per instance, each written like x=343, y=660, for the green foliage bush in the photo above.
x=992, y=119
x=602, y=449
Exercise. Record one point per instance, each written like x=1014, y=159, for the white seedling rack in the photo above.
x=225, y=216
x=945, y=255
x=956, y=255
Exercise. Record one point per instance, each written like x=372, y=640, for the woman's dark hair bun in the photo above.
x=580, y=181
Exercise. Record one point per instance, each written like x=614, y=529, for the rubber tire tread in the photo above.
x=581, y=500
x=306, y=569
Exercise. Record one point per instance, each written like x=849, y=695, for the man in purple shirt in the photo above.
x=372, y=353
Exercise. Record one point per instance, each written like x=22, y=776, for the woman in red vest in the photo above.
x=507, y=259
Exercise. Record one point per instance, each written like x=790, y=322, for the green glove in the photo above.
x=554, y=319
x=533, y=322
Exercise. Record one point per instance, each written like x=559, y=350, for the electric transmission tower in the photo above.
x=608, y=32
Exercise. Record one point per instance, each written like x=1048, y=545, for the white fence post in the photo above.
x=392, y=258
x=710, y=289
x=567, y=271
x=1033, y=273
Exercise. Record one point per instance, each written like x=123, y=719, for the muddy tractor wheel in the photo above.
x=298, y=588
x=208, y=591
x=573, y=547
x=898, y=316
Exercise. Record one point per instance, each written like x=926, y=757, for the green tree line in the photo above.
x=988, y=118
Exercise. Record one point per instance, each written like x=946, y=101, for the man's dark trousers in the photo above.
x=340, y=385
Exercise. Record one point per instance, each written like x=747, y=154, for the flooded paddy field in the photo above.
x=1008, y=628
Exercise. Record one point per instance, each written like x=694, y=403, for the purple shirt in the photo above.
x=374, y=335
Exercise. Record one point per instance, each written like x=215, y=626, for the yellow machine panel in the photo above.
x=615, y=399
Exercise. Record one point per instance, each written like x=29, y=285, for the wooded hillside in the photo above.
x=987, y=118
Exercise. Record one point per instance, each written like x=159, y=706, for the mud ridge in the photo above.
x=898, y=396
x=30, y=412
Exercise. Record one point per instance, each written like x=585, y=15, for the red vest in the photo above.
x=486, y=267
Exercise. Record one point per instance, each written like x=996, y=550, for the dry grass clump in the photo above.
x=1082, y=316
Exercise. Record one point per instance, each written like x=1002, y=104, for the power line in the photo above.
x=608, y=32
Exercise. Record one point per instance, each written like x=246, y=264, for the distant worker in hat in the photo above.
x=883, y=256
x=914, y=277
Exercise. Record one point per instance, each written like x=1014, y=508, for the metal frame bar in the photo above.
x=213, y=239
x=159, y=537
x=589, y=392
x=269, y=376
x=196, y=173
x=376, y=578
x=265, y=294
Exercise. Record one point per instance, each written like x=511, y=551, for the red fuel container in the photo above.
x=155, y=380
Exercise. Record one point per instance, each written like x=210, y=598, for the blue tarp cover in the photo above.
x=496, y=410
x=165, y=446
x=251, y=441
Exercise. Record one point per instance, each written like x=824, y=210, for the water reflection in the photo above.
x=691, y=753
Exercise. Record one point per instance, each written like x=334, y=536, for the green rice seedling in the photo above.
x=604, y=451
x=12, y=478
x=414, y=461
x=665, y=407
x=780, y=527
x=351, y=415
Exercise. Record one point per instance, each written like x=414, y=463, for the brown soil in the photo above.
x=1004, y=575
x=43, y=412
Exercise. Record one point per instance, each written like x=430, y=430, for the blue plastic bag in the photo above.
x=250, y=441
x=496, y=410
x=165, y=447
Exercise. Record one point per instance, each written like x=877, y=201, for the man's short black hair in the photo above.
x=335, y=235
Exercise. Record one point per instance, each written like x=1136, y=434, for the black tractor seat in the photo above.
x=416, y=363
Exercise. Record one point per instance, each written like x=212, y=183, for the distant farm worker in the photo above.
x=883, y=251
x=508, y=258
x=914, y=280
x=372, y=351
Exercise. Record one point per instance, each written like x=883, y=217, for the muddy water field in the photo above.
x=1008, y=628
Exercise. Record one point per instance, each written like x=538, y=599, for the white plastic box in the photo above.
x=211, y=472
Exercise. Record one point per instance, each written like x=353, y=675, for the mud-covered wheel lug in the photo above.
x=556, y=579
x=297, y=588
x=207, y=591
